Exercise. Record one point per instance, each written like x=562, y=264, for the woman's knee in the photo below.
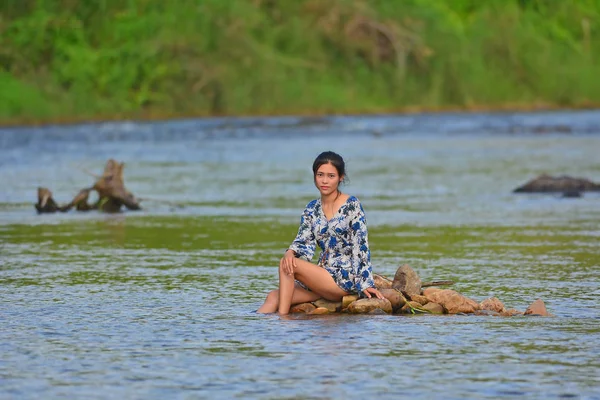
x=282, y=271
x=273, y=296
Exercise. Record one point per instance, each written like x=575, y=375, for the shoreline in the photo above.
x=157, y=116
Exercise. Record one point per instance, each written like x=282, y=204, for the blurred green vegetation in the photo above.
x=71, y=59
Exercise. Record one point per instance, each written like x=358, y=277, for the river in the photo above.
x=160, y=303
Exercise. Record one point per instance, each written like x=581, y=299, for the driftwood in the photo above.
x=112, y=194
x=437, y=283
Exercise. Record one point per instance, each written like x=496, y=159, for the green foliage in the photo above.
x=206, y=57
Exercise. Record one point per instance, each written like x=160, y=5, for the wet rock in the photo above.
x=332, y=306
x=381, y=282
x=377, y=311
x=407, y=308
x=433, y=308
x=571, y=194
x=395, y=298
x=492, y=304
x=422, y=300
x=430, y=290
x=537, y=308
x=559, y=184
x=453, y=302
x=319, y=311
x=511, y=313
x=407, y=281
x=364, y=306
x=302, y=308
x=349, y=299
x=487, y=313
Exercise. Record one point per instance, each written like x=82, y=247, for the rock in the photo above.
x=571, y=194
x=381, y=282
x=430, y=290
x=453, y=302
x=433, y=308
x=332, y=306
x=364, y=306
x=492, y=304
x=422, y=300
x=407, y=308
x=537, y=308
x=349, y=299
x=511, y=313
x=395, y=298
x=319, y=311
x=560, y=184
x=487, y=313
x=303, y=308
x=407, y=281
x=377, y=311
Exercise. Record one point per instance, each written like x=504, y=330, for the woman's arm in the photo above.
x=304, y=244
x=361, y=254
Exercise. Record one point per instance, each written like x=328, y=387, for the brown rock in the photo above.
x=487, y=313
x=364, y=306
x=537, y=308
x=349, y=299
x=407, y=308
x=332, y=306
x=319, y=311
x=433, y=308
x=492, y=304
x=377, y=311
x=381, y=282
x=422, y=300
x=395, y=297
x=453, y=302
x=302, y=308
x=511, y=313
x=430, y=290
x=407, y=281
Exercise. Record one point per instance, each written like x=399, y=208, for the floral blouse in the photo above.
x=343, y=241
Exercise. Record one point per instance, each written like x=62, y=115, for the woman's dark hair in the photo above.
x=329, y=157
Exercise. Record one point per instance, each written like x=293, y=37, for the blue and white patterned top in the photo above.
x=343, y=240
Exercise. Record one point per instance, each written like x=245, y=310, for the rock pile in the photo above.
x=407, y=294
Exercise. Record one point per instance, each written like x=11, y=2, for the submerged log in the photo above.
x=112, y=194
x=558, y=184
x=437, y=283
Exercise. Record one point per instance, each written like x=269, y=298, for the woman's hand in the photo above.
x=370, y=292
x=288, y=262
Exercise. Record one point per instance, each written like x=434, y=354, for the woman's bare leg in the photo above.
x=301, y=295
x=314, y=277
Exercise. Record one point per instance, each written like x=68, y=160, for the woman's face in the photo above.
x=327, y=179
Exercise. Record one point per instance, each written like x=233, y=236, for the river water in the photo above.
x=160, y=303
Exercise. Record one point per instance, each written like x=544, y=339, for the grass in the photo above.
x=67, y=60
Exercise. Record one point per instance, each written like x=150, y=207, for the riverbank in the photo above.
x=161, y=116
x=67, y=62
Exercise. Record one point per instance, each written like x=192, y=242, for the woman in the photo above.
x=336, y=222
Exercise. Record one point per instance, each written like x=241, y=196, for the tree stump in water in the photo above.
x=111, y=189
x=112, y=194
